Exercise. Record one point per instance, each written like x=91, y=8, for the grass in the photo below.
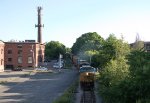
x=3, y=82
x=69, y=94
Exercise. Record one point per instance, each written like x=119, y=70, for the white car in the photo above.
x=41, y=69
x=56, y=65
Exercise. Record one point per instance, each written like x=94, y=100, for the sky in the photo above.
x=66, y=20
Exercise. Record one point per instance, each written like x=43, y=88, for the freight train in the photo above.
x=86, y=73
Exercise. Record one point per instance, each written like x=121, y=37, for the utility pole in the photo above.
x=39, y=25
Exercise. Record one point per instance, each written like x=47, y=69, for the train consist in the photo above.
x=86, y=73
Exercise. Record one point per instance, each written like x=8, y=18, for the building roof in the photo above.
x=147, y=42
x=1, y=42
x=23, y=42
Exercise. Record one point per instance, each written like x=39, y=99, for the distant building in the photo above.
x=23, y=54
x=146, y=46
x=2, y=56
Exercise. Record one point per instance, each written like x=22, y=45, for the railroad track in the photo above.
x=88, y=97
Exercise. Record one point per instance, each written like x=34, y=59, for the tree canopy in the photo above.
x=87, y=42
x=53, y=49
x=112, y=48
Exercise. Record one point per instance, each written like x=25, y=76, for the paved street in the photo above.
x=37, y=88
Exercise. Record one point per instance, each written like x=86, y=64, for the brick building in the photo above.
x=23, y=54
x=2, y=56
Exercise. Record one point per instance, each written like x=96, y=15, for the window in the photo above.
x=1, y=51
x=148, y=50
x=1, y=61
x=9, y=59
x=19, y=51
x=29, y=59
x=9, y=52
x=40, y=58
x=19, y=59
x=148, y=47
x=19, y=46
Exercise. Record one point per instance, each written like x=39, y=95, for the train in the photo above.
x=78, y=62
x=87, y=77
x=86, y=73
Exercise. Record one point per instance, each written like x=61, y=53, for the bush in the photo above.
x=122, y=84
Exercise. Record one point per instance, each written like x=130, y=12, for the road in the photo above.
x=37, y=88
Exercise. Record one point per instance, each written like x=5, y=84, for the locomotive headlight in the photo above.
x=87, y=73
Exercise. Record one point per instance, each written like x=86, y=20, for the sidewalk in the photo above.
x=17, y=76
x=10, y=76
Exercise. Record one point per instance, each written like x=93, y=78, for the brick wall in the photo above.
x=23, y=55
x=1, y=56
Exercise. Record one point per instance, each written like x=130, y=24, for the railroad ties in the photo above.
x=88, y=96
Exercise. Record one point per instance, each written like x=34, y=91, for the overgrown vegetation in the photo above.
x=124, y=73
x=125, y=78
x=69, y=94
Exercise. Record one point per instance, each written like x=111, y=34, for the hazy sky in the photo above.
x=66, y=20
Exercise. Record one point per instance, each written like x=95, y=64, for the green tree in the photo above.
x=110, y=77
x=53, y=49
x=125, y=77
x=115, y=47
x=112, y=48
x=112, y=60
x=139, y=77
x=138, y=44
x=90, y=54
x=88, y=41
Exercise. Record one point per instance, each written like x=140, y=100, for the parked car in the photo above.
x=57, y=65
x=41, y=69
x=16, y=69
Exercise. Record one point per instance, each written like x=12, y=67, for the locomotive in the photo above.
x=86, y=73
x=87, y=77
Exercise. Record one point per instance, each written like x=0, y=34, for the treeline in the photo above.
x=124, y=72
x=125, y=78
